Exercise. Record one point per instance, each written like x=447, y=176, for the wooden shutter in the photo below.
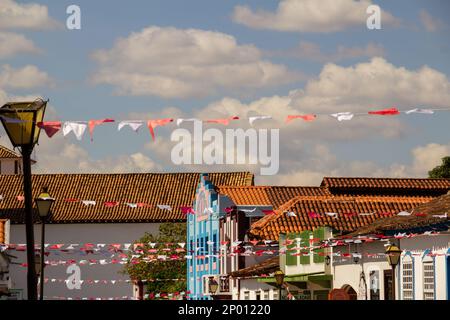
x=290, y=259
x=304, y=258
x=319, y=254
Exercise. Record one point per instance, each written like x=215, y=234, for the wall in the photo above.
x=80, y=233
x=346, y=272
x=253, y=287
x=7, y=166
x=417, y=247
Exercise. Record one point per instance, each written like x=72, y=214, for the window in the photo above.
x=275, y=295
x=266, y=295
x=407, y=278
x=428, y=279
x=246, y=295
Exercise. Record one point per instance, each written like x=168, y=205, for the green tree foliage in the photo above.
x=441, y=171
x=139, y=269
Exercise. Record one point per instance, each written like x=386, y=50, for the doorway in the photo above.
x=388, y=292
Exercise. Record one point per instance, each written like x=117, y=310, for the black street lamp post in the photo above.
x=20, y=122
x=43, y=204
x=279, y=279
x=393, y=255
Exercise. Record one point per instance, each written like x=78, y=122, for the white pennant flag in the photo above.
x=332, y=214
x=152, y=244
x=88, y=203
x=135, y=125
x=78, y=128
x=418, y=110
x=290, y=214
x=343, y=116
x=404, y=214
x=442, y=216
x=164, y=207
x=251, y=120
x=181, y=244
x=248, y=210
x=132, y=205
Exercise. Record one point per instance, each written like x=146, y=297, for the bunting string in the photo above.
x=78, y=128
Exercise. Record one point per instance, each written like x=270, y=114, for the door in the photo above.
x=388, y=290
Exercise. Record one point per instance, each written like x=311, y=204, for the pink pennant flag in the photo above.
x=20, y=198
x=385, y=112
x=152, y=124
x=224, y=121
x=313, y=215
x=228, y=209
x=307, y=117
x=187, y=210
x=93, y=123
x=50, y=127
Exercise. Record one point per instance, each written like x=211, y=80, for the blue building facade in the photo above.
x=203, y=239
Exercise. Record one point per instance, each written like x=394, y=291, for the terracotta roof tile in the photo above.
x=267, y=266
x=9, y=154
x=434, y=212
x=174, y=189
x=270, y=226
x=268, y=195
x=335, y=184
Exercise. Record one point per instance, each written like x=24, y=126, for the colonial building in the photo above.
x=423, y=272
x=10, y=161
x=352, y=203
x=98, y=210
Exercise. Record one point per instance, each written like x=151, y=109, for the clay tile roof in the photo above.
x=378, y=184
x=434, y=212
x=2, y=230
x=9, y=154
x=267, y=195
x=267, y=266
x=174, y=189
x=270, y=226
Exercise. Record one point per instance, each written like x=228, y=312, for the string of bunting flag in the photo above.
x=78, y=128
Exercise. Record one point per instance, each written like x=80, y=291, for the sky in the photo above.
x=214, y=59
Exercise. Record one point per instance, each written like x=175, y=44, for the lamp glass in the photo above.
x=213, y=286
x=43, y=204
x=19, y=120
x=393, y=255
x=279, y=277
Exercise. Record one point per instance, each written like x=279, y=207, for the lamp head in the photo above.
x=20, y=121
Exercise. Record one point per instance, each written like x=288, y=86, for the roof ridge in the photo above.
x=385, y=178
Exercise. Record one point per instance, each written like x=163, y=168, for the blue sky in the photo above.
x=66, y=56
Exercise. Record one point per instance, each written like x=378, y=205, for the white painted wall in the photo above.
x=346, y=272
x=417, y=246
x=7, y=166
x=80, y=233
x=252, y=287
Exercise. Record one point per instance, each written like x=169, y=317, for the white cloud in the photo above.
x=34, y=16
x=431, y=24
x=26, y=77
x=58, y=155
x=13, y=43
x=178, y=63
x=310, y=16
x=312, y=51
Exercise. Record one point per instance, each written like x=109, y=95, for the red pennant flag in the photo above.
x=307, y=117
x=267, y=212
x=71, y=200
x=93, y=123
x=187, y=210
x=152, y=124
x=110, y=204
x=385, y=112
x=50, y=127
